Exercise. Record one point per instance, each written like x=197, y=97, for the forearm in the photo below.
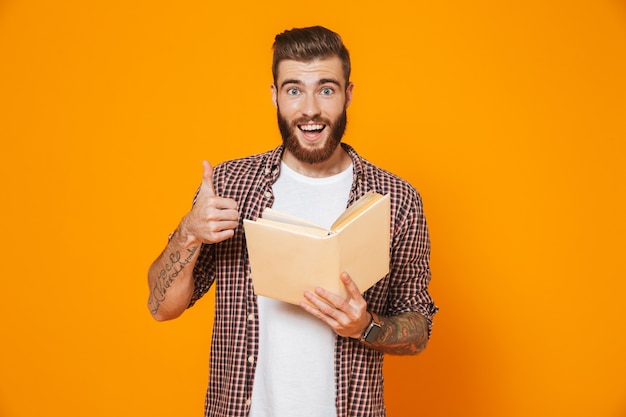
x=405, y=334
x=170, y=278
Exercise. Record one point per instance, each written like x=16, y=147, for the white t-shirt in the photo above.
x=295, y=372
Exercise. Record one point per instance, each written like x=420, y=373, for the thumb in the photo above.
x=207, y=178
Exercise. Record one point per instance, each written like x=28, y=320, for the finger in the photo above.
x=328, y=298
x=319, y=300
x=207, y=178
x=320, y=309
x=227, y=207
x=351, y=287
x=335, y=319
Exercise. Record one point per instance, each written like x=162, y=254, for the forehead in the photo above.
x=310, y=71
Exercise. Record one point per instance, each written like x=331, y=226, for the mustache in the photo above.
x=313, y=120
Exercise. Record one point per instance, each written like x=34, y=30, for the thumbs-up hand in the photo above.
x=212, y=218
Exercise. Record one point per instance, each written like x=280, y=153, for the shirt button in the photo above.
x=251, y=316
x=251, y=359
x=268, y=194
x=248, y=402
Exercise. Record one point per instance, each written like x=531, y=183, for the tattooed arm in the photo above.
x=405, y=334
x=170, y=277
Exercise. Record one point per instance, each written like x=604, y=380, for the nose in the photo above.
x=310, y=106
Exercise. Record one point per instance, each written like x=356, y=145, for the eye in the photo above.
x=293, y=91
x=327, y=91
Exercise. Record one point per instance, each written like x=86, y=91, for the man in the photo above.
x=324, y=357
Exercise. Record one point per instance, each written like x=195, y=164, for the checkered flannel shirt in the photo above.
x=235, y=344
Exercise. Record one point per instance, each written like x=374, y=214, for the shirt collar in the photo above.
x=359, y=181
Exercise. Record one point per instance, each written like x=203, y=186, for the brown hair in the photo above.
x=307, y=44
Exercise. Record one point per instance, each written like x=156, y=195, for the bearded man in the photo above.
x=323, y=357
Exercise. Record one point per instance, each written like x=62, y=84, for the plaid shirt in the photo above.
x=235, y=344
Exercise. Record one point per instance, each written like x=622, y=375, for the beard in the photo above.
x=316, y=155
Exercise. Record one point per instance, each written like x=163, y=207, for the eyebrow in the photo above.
x=320, y=82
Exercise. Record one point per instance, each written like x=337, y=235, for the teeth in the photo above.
x=311, y=127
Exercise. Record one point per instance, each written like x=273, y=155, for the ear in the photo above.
x=349, y=90
x=274, y=95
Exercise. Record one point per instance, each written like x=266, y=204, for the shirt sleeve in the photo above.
x=410, y=261
x=203, y=274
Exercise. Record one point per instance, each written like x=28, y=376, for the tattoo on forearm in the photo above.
x=406, y=334
x=171, y=269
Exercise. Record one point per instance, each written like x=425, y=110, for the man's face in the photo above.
x=311, y=100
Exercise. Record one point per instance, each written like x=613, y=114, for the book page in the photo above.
x=297, y=228
x=277, y=216
x=355, y=209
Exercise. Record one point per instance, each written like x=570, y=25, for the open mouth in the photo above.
x=311, y=128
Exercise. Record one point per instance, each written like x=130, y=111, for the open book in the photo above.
x=289, y=255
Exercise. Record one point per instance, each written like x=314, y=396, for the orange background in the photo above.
x=507, y=116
